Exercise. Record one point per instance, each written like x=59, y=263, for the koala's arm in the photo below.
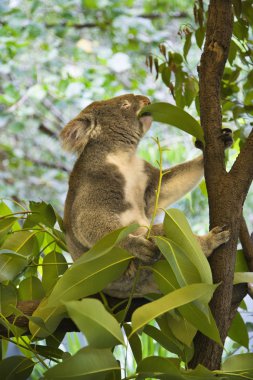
x=176, y=182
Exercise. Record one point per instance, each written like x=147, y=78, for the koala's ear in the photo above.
x=76, y=134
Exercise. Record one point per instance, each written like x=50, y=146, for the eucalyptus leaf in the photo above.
x=144, y=314
x=41, y=213
x=31, y=289
x=178, y=230
x=169, y=342
x=16, y=367
x=183, y=269
x=183, y=330
x=5, y=226
x=54, y=265
x=175, y=116
x=241, y=362
x=105, y=244
x=79, y=281
x=8, y=297
x=156, y=367
x=100, y=328
x=238, y=331
x=243, y=277
x=11, y=264
x=88, y=363
x=23, y=242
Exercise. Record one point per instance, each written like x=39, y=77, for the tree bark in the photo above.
x=226, y=191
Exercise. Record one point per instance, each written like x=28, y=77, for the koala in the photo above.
x=111, y=187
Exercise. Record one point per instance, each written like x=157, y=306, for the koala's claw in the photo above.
x=227, y=137
x=220, y=236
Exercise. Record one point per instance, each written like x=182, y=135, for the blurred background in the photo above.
x=57, y=56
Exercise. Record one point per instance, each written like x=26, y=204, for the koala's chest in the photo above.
x=135, y=183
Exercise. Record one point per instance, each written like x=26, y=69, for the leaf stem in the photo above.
x=158, y=190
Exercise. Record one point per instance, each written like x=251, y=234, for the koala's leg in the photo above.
x=213, y=239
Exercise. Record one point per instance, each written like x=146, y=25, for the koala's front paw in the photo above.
x=227, y=137
x=212, y=240
x=143, y=249
x=148, y=252
x=219, y=236
x=199, y=145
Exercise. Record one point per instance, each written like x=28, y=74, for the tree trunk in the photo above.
x=225, y=197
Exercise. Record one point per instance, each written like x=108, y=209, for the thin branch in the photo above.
x=247, y=244
x=242, y=170
x=47, y=164
x=48, y=131
x=239, y=292
x=66, y=325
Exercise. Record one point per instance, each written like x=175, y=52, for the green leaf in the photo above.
x=41, y=213
x=105, y=244
x=199, y=36
x=187, y=45
x=166, y=74
x=241, y=264
x=135, y=343
x=144, y=314
x=99, y=327
x=4, y=211
x=31, y=289
x=165, y=277
x=178, y=229
x=183, y=330
x=16, y=367
x=242, y=362
x=86, y=277
x=80, y=280
x=5, y=226
x=11, y=264
x=54, y=265
x=23, y=242
x=238, y=331
x=175, y=116
x=47, y=351
x=169, y=342
x=8, y=297
x=205, y=323
x=156, y=367
x=243, y=277
x=183, y=269
x=88, y=363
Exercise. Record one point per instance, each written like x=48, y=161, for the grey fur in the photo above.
x=110, y=187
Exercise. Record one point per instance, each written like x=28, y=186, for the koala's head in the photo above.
x=108, y=121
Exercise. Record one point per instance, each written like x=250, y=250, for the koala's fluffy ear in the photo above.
x=76, y=134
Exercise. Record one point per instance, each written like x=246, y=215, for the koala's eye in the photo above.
x=125, y=105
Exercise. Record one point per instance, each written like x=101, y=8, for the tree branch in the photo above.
x=66, y=325
x=47, y=164
x=247, y=244
x=223, y=206
x=242, y=170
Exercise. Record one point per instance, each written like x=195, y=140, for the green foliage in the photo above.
x=171, y=319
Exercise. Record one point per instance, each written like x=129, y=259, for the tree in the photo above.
x=185, y=278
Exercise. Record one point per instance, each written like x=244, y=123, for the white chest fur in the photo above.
x=132, y=169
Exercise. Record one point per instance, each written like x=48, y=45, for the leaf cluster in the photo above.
x=34, y=268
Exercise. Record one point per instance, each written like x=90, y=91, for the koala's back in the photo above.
x=102, y=198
